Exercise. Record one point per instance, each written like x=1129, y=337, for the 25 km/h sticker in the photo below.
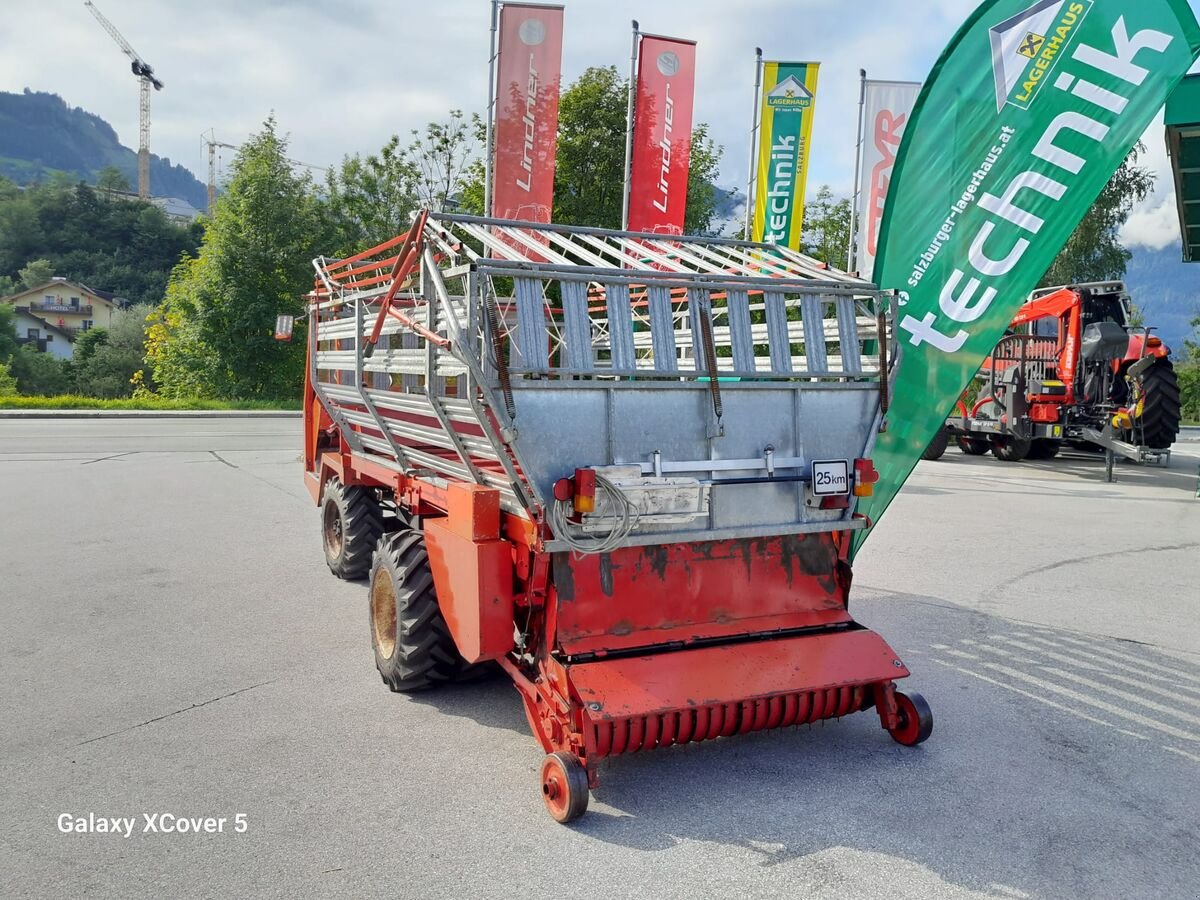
x=830, y=476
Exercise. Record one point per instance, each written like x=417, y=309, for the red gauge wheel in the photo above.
x=916, y=720
x=564, y=786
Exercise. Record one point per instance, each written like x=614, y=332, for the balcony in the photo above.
x=44, y=307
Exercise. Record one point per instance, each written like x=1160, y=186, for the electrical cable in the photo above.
x=627, y=517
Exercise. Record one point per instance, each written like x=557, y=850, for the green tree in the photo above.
x=123, y=245
x=8, y=382
x=110, y=178
x=39, y=374
x=703, y=167
x=442, y=155
x=8, y=333
x=589, y=177
x=1093, y=252
x=213, y=335
x=827, y=227
x=372, y=199
x=36, y=273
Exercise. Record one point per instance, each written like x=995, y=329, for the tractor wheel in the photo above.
x=973, y=446
x=1044, y=448
x=938, y=445
x=1160, y=409
x=564, y=786
x=1010, y=448
x=351, y=523
x=916, y=720
x=413, y=646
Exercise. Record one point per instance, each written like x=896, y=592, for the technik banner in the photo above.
x=886, y=108
x=662, y=134
x=789, y=94
x=1024, y=118
x=528, y=69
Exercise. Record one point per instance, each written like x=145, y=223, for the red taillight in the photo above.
x=836, y=501
x=585, y=490
x=865, y=477
x=564, y=489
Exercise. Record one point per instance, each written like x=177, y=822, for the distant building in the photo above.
x=41, y=335
x=67, y=305
x=176, y=210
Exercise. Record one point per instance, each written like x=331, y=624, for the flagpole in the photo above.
x=858, y=155
x=491, y=115
x=752, y=174
x=633, y=59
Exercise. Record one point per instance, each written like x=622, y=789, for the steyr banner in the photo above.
x=886, y=108
x=1024, y=118
x=528, y=68
x=785, y=126
x=662, y=134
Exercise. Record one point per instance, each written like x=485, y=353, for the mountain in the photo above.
x=40, y=135
x=1166, y=290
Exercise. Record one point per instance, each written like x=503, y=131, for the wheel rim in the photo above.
x=554, y=788
x=383, y=613
x=910, y=723
x=331, y=527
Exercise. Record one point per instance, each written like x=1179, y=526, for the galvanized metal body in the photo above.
x=699, y=379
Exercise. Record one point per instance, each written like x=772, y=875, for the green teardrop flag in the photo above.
x=1024, y=118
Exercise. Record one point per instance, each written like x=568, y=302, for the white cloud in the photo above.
x=343, y=76
x=1154, y=223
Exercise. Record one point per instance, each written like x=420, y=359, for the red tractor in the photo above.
x=1072, y=368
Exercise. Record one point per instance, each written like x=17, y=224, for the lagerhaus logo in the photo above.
x=789, y=94
x=1027, y=47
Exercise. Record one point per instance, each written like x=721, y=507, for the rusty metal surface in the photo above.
x=680, y=592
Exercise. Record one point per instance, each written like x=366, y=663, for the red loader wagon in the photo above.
x=623, y=467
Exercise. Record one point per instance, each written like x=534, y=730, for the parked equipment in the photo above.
x=623, y=467
x=1075, y=369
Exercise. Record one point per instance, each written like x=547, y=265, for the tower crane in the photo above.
x=211, y=142
x=144, y=73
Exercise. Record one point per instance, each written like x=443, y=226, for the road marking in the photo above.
x=1172, y=694
x=1117, y=654
x=1109, y=662
x=1092, y=701
x=1038, y=698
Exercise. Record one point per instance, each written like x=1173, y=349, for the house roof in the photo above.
x=24, y=311
x=105, y=296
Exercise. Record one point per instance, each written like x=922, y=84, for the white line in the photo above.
x=1092, y=701
x=1132, y=669
x=1038, y=698
x=1125, y=695
x=1133, y=659
x=1141, y=685
x=1190, y=756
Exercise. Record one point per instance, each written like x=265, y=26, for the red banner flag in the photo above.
x=529, y=68
x=662, y=134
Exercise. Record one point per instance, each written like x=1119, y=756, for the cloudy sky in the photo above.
x=343, y=75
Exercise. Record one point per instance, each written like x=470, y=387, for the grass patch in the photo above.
x=75, y=401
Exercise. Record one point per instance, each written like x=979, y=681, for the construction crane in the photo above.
x=211, y=142
x=144, y=72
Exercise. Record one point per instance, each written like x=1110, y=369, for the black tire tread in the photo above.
x=362, y=525
x=1161, y=410
x=937, y=445
x=425, y=655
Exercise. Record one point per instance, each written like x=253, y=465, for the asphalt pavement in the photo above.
x=172, y=643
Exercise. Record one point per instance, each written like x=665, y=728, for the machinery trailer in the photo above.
x=623, y=467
